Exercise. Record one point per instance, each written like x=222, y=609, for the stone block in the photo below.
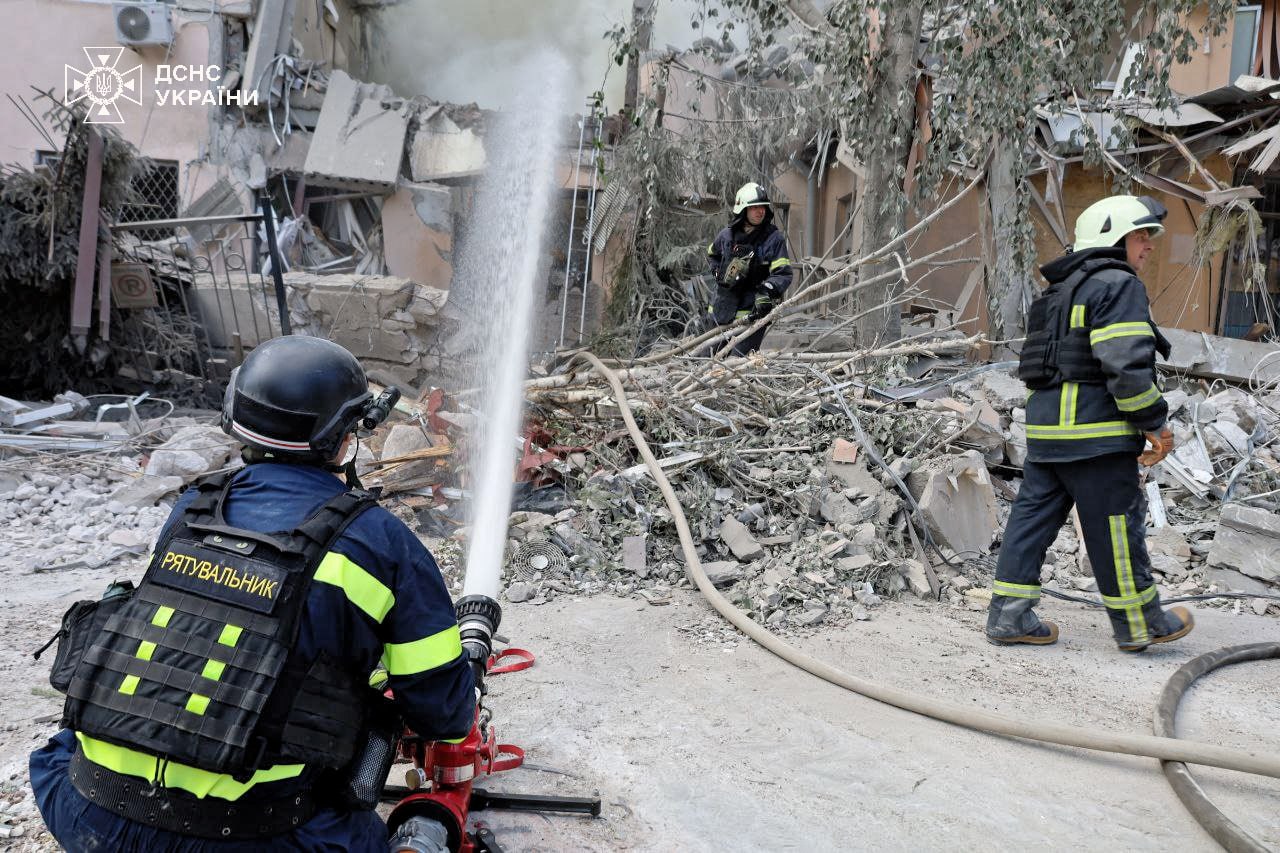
x=1004, y=391
x=912, y=571
x=440, y=149
x=402, y=439
x=633, y=555
x=146, y=490
x=723, y=573
x=1230, y=580
x=739, y=540
x=191, y=452
x=958, y=502
x=1248, y=541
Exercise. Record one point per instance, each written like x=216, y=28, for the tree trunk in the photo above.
x=1011, y=288
x=883, y=197
x=642, y=29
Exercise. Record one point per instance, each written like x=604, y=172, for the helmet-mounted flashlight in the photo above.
x=379, y=409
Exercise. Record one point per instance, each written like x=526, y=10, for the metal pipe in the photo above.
x=591, y=220
x=811, y=213
x=273, y=251
x=573, y=213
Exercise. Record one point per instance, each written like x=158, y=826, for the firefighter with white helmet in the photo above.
x=749, y=261
x=1089, y=362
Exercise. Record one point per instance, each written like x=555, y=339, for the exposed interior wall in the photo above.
x=1182, y=293
x=54, y=34
x=323, y=36
x=1210, y=65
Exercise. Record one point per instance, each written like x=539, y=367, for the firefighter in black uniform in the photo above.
x=1093, y=406
x=749, y=262
x=225, y=704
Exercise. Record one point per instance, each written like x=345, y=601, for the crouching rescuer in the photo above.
x=1089, y=362
x=225, y=703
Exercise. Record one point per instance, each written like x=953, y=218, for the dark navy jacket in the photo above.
x=1081, y=420
x=768, y=277
x=380, y=597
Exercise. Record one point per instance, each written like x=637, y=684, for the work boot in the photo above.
x=1013, y=620
x=1156, y=626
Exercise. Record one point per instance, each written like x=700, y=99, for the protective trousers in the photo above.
x=1112, y=512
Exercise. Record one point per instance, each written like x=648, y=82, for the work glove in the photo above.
x=762, y=306
x=1161, y=445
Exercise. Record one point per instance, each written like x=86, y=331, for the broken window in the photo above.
x=1244, y=40
x=1247, y=308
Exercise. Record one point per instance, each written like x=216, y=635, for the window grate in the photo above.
x=156, y=191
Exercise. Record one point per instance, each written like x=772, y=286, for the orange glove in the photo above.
x=1161, y=446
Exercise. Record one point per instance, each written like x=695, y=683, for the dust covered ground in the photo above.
x=696, y=739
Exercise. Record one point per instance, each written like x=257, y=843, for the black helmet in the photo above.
x=296, y=397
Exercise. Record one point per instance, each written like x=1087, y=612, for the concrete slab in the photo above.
x=738, y=538
x=359, y=140
x=1213, y=357
x=441, y=150
x=1248, y=540
x=272, y=32
x=958, y=502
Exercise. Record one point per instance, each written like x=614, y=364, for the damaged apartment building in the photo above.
x=262, y=109
x=1211, y=160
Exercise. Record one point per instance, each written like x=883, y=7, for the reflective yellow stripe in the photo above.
x=421, y=655
x=145, y=650
x=1120, y=330
x=361, y=588
x=1067, y=404
x=780, y=262
x=1077, y=316
x=711, y=248
x=162, y=617
x=202, y=783
x=213, y=669
x=1138, y=401
x=129, y=685
x=198, y=704
x=454, y=739
x=743, y=313
x=230, y=635
x=1119, y=602
x=1103, y=429
x=1124, y=578
x=1016, y=590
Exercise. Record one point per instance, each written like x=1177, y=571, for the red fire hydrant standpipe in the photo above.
x=442, y=779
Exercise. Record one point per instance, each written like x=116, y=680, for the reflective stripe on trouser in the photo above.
x=1113, y=517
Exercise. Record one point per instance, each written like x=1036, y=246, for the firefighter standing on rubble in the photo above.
x=225, y=705
x=1089, y=361
x=749, y=262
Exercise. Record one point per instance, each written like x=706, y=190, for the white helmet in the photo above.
x=1104, y=223
x=750, y=195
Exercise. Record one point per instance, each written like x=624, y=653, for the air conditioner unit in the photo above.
x=142, y=24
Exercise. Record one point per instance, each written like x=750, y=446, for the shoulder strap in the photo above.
x=1069, y=286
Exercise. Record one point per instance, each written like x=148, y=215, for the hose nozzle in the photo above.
x=478, y=619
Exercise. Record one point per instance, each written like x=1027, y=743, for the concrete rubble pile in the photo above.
x=798, y=525
x=88, y=493
x=811, y=502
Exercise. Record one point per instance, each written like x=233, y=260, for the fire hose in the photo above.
x=1174, y=753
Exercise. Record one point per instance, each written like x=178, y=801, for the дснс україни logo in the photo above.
x=103, y=84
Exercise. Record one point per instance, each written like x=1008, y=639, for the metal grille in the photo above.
x=156, y=190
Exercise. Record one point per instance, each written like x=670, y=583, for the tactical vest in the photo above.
x=198, y=666
x=1054, y=351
